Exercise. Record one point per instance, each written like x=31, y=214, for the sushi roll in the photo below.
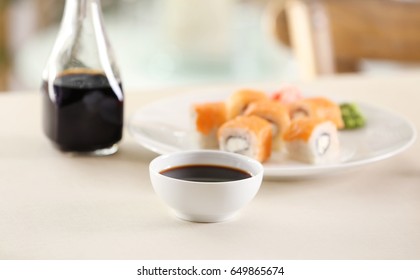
x=208, y=117
x=318, y=108
x=239, y=101
x=275, y=113
x=312, y=141
x=246, y=135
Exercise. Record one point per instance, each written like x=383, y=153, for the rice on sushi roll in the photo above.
x=312, y=141
x=208, y=117
x=247, y=135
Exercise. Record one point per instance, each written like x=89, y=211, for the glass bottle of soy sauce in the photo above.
x=82, y=93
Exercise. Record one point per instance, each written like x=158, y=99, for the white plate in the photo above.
x=165, y=126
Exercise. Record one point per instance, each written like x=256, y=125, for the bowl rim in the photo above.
x=258, y=166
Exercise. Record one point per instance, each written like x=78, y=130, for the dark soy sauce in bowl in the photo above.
x=206, y=173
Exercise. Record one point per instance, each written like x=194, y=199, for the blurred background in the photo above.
x=157, y=43
x=161, y=43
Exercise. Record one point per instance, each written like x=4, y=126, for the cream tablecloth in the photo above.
x=57, y=207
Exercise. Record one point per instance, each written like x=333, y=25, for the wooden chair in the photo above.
x=4, y=49
x=334, y=36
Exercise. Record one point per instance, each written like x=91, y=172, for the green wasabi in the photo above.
x=351, y=116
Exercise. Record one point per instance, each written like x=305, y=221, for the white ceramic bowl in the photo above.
x=205, y=201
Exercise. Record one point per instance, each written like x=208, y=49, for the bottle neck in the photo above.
x=78, y=11
x=83, y=20
x=82, y=43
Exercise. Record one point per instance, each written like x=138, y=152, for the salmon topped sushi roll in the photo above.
x=239, y=101
x=318, y=108
x=273, y=112
x=247, y=135
x=208, y=117
x=312, y=141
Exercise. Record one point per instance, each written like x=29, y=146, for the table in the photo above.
x=54, y=206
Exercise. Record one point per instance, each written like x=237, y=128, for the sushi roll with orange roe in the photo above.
x=238, y=102
x=318, y=108
x=273, y=112
x=246, y=135
x=312, y=141
x=208, y=117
